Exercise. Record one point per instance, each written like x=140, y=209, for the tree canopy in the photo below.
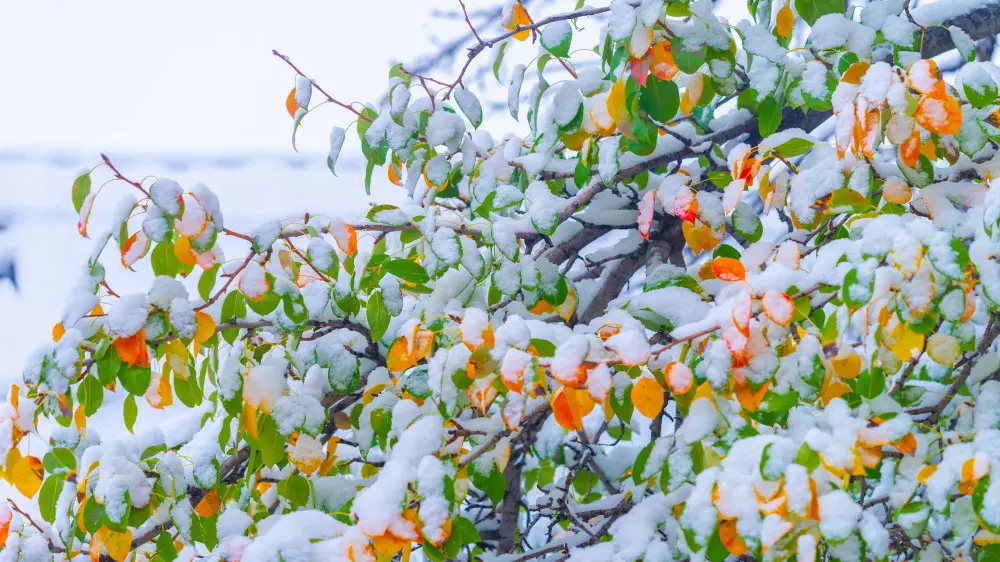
x=725, y=290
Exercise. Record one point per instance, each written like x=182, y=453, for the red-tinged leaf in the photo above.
x=686, y=206
x=646, y=207
x=565, y=409
x=728, y=269
x=778, y=307
x=6, y=516
x=639, y=69
x=135, y=248
x=678, y=376
x=85, y=208
x=193, y=219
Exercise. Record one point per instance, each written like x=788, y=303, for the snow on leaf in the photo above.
x=728, y=269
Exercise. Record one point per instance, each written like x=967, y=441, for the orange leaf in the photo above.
x=399, y=358
x=872, y=129
x=345, y=235
x=132, y=350
x=942, y=115
x=27, y=476
x=855, y=72
x=290, y=104
x=662, y=63
x=647, y=395
x=422, y=344
x=728, y=269
x=566, y=409
x=909, y=151
x=728, y=535
x=482, y=393
x=906, y=444
x=520, y=19
x=395, y=172
x=209, y=505
x=785, y=21
x=57, y=331
x=699, y=236
x=164, y=392
x=925, y=77
x=750, y=399
x=6, y=516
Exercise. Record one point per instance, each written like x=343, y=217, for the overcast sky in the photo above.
x=192, y=75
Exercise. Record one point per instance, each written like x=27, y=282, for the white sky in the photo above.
x=192, y=75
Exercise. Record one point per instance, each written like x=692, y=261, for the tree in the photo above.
x=679, y=319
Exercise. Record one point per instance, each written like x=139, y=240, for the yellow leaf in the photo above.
x=617, y=108
x=695, y=88
x=27, y=476
x=206, y=326
x=184, y=253
x=833, y=388
x=906, y=342
x=647, y=395
x=925, y=473
x=176, y=356
x=785, y=21
x=943, y=348
x=80, y=419
x=118, y=544
x=847, y=365
x=57, y=331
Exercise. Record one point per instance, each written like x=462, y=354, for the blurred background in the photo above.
x=191, y=91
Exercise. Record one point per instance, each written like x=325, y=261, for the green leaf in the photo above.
x=131, y=412
x=980, y=96
x=560, y=49
x=378, y=316
x=768, y=117
x=90, y=394
x=81, y=189
x=406, y=270
x=266, y=304
x=870, y=383
x=812, y=10
x=746, y=222
x=207, y=281
x=499, y=60
x=165, y=547
x=465, y=530
x=48, y=496
x=397, y=71
x=660, y=99
x=687, y=61
x=794, y=147
x=135, y=379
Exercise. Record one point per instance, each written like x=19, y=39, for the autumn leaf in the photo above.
x=132, y=350
x=290, y=104
x=728, y=269
x=778, y=307
x=784, y=22
x=647, y=395
x=520, y=19
x=27, y=476
x=646, y=207
x=679, y=377
x=209, y=505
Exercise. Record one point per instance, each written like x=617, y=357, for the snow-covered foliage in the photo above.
x=667, y=320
